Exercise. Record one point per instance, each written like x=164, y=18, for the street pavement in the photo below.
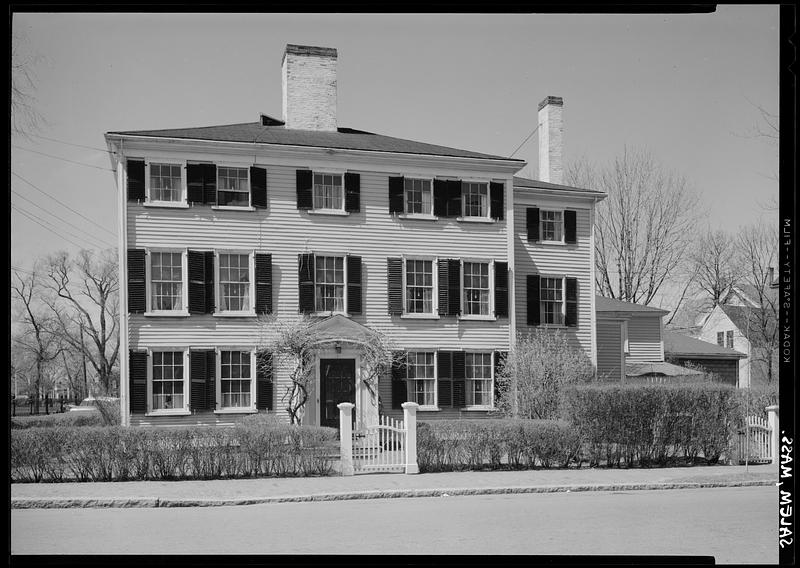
x=227, y=492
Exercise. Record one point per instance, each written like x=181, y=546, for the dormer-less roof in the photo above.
x=679, y=345
x=603, y=304
x=272, y=131
x=523, y=184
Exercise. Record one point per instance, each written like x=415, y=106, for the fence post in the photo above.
x=410, y=420
x=772, y=418
x=346, y=437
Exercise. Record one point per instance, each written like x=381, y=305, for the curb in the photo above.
x=155, y=502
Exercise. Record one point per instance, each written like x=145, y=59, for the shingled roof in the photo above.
x=527, y=183
x=677, y=344
x=747, y=319
x=272, y=131
x=603, y=304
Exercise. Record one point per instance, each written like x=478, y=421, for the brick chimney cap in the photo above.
x=551, y=100
x=309, y=50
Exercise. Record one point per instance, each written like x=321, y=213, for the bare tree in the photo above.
x=86, y=308
x=643, y=227
x=38, y=338
x=714, y=259
x=25, y=118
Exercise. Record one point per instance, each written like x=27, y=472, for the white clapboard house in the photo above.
x=442, y=250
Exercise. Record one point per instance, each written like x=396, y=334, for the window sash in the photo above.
x=165, y=182
x=421, y=371
x=234, y=282
x=167, y=380
x=328, y=192
x=478, y=369
x=236, y=375
x=476, y=288
x=418, y=196
x=166, y=281
x=551, y=300
x=552, y=223
x=721, y=338
x=419, y=286
x=233, y=187
x=329, y=283
x=729, y=339
x=475, y=198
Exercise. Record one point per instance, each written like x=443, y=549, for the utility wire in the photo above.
x=523, y=142
x=106, y=150
x=60, y=158
x=91, y=244
x=45, y=226
x=98, y=239
x=110, y=232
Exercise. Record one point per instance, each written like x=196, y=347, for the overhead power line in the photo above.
x=63, y=159
x=64, y=204
x=31, y=217
x=106, y=150
x=523, y=142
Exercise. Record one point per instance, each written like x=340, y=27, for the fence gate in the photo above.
x=381, y=447
x=755, y=441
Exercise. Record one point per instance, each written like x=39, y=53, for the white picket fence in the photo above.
x=755, y=441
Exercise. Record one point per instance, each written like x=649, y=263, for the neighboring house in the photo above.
x=630, y=345
x=721, y=361
x=739, y=327
x=222, y=224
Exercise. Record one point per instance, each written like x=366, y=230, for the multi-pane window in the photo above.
x=329, y=282
x=475, y=197
x=421, y=375
x=552, y=300
x=552, y=225
x=235, y=379
x=234, y=282
x=167, y=380
x=721, y=338
x=418, y=196
x=729, y=339
x=166, y=280
x=233, y=187
x=476, y=288
x=419, y=286
x=479, y=379
x=328, y=193
x=165, y=182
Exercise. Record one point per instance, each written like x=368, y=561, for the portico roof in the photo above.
x=340, y=328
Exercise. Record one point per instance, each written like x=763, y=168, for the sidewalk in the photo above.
x=376, y=486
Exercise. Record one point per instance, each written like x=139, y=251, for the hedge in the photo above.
x=114, y=453
x=452, y=445
x=627, y=425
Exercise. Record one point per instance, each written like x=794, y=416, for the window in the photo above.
x=475, y=197
x=236, y=376
x=329, y=282
x=625, y=344
x=476, y=288
x=234, y=282
x=552, y=225
x=167, y=384
x=419, y=286
x=165, y=182
x=721, y=338
x=552, y=301
x=418, y=196
x=729, y=339
x=478, y=370
x=328, y=193
x=421, y=375
x=166, y=281
x=233, y=187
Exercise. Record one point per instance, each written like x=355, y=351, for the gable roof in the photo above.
x=743, y=318
x=341, y=328
x=273, y=131
x=527, y=183
x=677, y=344
x=603, y=304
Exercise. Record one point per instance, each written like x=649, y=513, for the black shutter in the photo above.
x=263, y=279
x=534, y=318
x=454, y=287
x=211, y=384
x=352, y=192
x=198, y=377
x=394, y=278
x=209, y=267
x=501, y=289
x=264, y=386
x=135, y=169
x=210, y=183
x=305, y=182
x=399, y=387
x=196, y=261
x=440, y=198
x=459, y=379
x=571, y=295
x=137, y=382
x=137, y=285
x=305, y=264
x=444, y=394
x=498, y=357
x=396, y=189
x=496, y=200
x=532, y=214
x=258, y=187
x=194, y=183
x=454, y=198
x=444, y=378
x=444, y=279
x=353, y=284
x=570, y=232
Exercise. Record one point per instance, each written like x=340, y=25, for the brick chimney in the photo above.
x=551, y=140
x=309, y=87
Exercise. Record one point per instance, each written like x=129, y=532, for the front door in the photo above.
x=337, y=380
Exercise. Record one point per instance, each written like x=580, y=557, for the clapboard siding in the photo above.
x=573, y=260
x=725, y=371
x=609, y=350
x=644, y=339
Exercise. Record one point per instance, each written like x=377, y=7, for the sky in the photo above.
x=684, y=87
